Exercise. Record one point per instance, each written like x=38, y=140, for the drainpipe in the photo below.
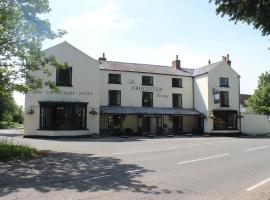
x=240, y=119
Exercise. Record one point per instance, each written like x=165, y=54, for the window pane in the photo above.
x=177, y=100
x=224, y=98
x=114, y=97
x=147, y=80
x=147, y=99
x=115, y=78
x=64, y=77
x=176, y=82
x=223, y=82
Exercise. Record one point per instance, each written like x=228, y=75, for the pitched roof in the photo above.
x=205, y=69
x=144, y=68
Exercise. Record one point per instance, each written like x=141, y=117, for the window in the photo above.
x=64, y=77
x=225, y=120
x=115, y=78
x=63, y=116
x=147, y=99
x=114, y=122
x=177, y=82
x=224, y=98
x=223, y=82
x=177, y=100
x=147, y=80
x=114, y=97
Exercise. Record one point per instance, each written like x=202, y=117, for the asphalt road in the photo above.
x=137, y=168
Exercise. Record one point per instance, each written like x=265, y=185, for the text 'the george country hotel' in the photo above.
x=112, y=98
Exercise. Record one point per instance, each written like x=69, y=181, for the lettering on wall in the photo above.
x=147, y=88
x=131, y=82
x=63, y=92
x=162, y=95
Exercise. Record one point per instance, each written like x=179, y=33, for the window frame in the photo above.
x=117, y=100
x=225, y=80
x=61, y=83
x=112, y=80
x=69, y=108
x=179, y=100
x=151, y=78
x=151, y=99
x=222, y=99
x=180, y=85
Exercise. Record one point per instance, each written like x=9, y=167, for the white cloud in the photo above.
x=104, y=19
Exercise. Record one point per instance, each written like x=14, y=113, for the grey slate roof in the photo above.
x=155, y=69
x=144, y=68
x=205, y=69
x=147, y=110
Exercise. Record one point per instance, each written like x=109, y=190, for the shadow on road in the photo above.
x=71, y=171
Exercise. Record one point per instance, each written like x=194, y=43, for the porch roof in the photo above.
x=147, y=110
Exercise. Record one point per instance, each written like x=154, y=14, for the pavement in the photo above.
x=204, y=168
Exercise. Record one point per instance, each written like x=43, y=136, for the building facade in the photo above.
x=112, y=98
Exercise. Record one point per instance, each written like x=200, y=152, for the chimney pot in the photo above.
x=209, y=61
x=103, y=57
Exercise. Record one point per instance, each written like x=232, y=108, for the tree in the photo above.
x=255, y=12
x=22, y=31
x=260, y=101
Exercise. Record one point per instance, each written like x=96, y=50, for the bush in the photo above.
x=11, y=151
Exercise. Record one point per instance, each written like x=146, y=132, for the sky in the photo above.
x=155, y=31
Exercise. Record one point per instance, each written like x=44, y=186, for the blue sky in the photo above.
x=154, y=31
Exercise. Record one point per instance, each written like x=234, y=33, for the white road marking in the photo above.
x=201, y=159
x=256, y=148
x=131, y=171
x=134, y=152
x=258, y=184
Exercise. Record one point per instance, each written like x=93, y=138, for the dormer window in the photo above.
x=64, y=77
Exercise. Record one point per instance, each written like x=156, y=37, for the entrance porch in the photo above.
x=149, y=121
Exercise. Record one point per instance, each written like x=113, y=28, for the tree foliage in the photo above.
x=22, y=31
x=260, y=101
x=255, y=12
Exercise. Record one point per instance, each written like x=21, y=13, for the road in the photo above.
x=137, y=168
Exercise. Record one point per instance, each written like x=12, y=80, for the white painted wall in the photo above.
x=255, y=124
x=85, y=78
x=132, y=97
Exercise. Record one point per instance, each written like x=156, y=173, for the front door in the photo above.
x=177, y=123
x=146, y=124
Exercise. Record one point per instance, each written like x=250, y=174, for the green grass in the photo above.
x=10, y=151
x=6, y=124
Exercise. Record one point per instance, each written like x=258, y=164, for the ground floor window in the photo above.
x=63, y=115
x=225, y=120
x=114, y=122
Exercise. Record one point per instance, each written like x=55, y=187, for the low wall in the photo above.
x=255, y=124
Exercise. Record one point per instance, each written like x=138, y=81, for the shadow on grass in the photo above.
x=77, y=172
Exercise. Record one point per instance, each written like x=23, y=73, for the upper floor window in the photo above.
x=64, y=77
x=115, y=78
x=177, y=82
x=114, y=97
x=224, y=98
x=223, y=82
x=147, y=99
x=177, y=100
x=147, y=80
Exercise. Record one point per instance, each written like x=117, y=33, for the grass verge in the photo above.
x=10, y=151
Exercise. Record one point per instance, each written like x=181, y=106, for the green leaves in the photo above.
x=22, y=32
x=260, y=101
x=254, y=12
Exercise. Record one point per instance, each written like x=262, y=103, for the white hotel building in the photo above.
x=108, y=97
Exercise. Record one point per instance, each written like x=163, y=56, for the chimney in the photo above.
x=176, y=63
x=227, y=59
x=209, y=62
x=103, y=57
